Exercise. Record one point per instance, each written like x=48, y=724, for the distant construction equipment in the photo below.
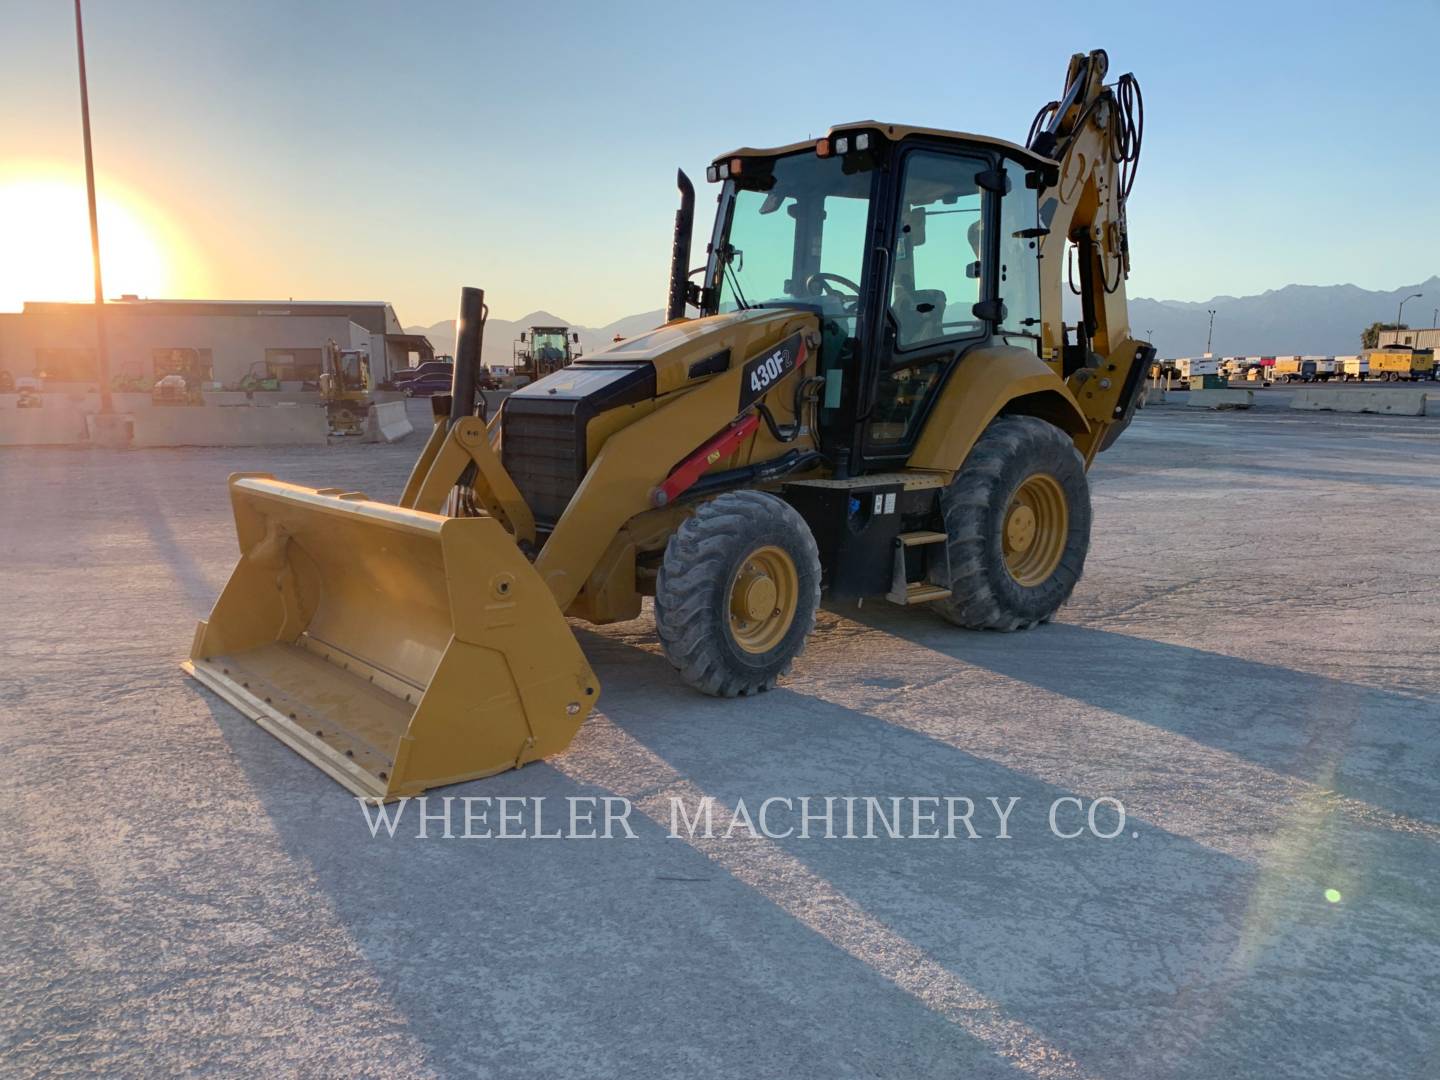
x=1392, y=363
x=542, y=350
x=346, y=387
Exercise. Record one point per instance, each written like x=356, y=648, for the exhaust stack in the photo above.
x=469, y=336
x=680, y=248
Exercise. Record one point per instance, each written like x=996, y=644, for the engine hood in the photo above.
x=688, y=349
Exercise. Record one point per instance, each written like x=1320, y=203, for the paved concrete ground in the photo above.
x=1249, y=665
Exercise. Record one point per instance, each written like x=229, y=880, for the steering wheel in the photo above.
x=820, y=283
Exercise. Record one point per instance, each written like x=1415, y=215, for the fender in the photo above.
x=986, y=382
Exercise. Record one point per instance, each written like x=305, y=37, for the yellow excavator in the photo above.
x=345, y=387
x=875, y=396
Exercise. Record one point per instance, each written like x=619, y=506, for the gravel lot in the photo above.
x=1249, y=666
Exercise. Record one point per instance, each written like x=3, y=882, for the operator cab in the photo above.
x=912, y=245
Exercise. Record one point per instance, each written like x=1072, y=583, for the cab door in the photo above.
x=962, y=270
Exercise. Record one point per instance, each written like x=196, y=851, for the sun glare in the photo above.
x=45, y=242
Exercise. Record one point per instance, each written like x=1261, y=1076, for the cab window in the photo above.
x=938, y=246
x=1019, y=284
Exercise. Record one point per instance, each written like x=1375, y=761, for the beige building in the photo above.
x=214, y=341
x=1427, y=338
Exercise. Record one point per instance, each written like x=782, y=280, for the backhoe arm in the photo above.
x=1093, y=132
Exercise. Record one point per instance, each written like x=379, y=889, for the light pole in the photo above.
x=1150, y=337
x=1208, y=337
x=1398, y=311
x=102, y=365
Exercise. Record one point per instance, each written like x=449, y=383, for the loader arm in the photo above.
x=1093, y=133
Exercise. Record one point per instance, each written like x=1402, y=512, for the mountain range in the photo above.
x=1323, y=320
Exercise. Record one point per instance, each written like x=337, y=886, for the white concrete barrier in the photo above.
x=231, y=425
x=1231, y=398
x=387, y=421
x=1393, y=402
x=51, y=424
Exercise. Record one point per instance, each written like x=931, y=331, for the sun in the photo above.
x=45, y=241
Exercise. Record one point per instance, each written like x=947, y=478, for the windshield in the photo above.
x=353, y=371
x=548, y=345
x=791, y=231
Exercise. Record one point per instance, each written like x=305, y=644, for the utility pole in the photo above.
x=1208, y=337
x=102, y=365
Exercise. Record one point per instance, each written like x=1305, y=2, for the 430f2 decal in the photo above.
x=764, y=371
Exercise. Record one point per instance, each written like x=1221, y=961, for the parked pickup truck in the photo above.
x=430, y=367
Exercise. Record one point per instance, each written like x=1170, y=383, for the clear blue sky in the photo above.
x=397, y=150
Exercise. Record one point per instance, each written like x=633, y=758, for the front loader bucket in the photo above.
x=397, y=650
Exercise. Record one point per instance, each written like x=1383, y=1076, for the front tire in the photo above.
x=737, y=593
x=1018, y=519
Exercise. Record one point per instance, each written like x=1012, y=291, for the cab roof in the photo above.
x=896, y=133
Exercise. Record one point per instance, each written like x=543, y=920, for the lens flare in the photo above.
x=45, y=237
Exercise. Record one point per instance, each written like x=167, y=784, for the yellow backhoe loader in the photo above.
x=876, y=398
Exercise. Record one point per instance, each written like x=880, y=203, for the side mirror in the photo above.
x=991, y=311
x=522, y=337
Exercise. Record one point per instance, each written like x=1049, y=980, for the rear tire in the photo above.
x=737, y=593
x=1018, y=519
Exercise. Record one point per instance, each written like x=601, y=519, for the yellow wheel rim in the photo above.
x=1036, y=523
x=762, y=599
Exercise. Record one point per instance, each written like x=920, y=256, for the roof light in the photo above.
x=862, y=141
x=712, y=174
x=736, y=165
x=725, y=171
x=842, y=144
x=822, y=148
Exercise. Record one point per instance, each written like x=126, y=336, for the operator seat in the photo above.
x=920, y=314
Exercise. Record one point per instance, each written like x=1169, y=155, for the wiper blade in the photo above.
x=735, y=287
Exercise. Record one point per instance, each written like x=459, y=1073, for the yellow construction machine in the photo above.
x=875, y=397
x=543, y=350
x=346, y=387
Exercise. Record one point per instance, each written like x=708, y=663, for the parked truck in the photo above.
x=1294, y=369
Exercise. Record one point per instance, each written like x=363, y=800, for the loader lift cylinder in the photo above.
x=469, y=334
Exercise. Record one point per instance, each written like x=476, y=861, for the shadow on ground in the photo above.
x=1374, y=745
x=646, y=957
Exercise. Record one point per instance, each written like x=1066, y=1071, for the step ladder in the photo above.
x=903, y=591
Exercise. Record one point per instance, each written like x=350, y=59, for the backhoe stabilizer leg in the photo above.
x=1109, y=393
